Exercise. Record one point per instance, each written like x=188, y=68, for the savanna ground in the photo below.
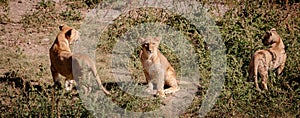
x=28, y=29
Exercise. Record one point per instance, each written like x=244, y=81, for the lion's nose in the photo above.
x=76, y=41
x=148, y=49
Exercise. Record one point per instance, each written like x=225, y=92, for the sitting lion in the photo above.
x=62, y=60
x=157, y=69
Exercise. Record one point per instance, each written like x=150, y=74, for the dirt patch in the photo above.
x=15, y=36
x=18, y=8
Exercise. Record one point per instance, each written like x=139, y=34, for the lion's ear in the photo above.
x=270, y=34
x=157, y=39
x=61, y=27
x=71, y=33
x=273, y=29
x=267, y=35
x=141, y=40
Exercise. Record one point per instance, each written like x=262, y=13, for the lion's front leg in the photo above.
x=69, y=85
x=149, y=80
x=160, y=82
x=150, y=87
x=147, y=76
x=280, y=68
x=157, y=76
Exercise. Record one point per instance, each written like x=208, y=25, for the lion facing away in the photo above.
x=157, y=69
x=264, y=60
x=64, y=62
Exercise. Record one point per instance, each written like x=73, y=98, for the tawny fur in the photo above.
x=62, y=58
x=157, y=69
x=264, y=60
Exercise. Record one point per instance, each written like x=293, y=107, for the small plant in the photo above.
x=46, y=15
x=4, y=2
x=46, y=4
x=4, y=8
x=71, y=15
x=92, y=3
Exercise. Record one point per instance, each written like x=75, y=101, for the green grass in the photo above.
x=27, y=83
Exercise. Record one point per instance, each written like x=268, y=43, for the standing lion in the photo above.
x=64, y=62
x=264, y=60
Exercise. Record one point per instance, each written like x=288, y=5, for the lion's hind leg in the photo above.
x=262, y=69
x=172, y=82
x=256, y=83
x=55, y=76
x=264, y=76
x=171, y=90
x=259, y=67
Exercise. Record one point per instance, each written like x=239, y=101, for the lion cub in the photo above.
x=157, y=69
x=264, y=60
x=71, y=66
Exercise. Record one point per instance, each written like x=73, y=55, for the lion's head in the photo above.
x=150, y=44
x=270, y=37
x=71, y=34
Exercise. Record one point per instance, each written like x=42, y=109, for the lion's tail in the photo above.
x=251, y=68
x=94, y=70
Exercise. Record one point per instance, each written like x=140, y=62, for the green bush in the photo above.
x=47, y=15
x=242, y=28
